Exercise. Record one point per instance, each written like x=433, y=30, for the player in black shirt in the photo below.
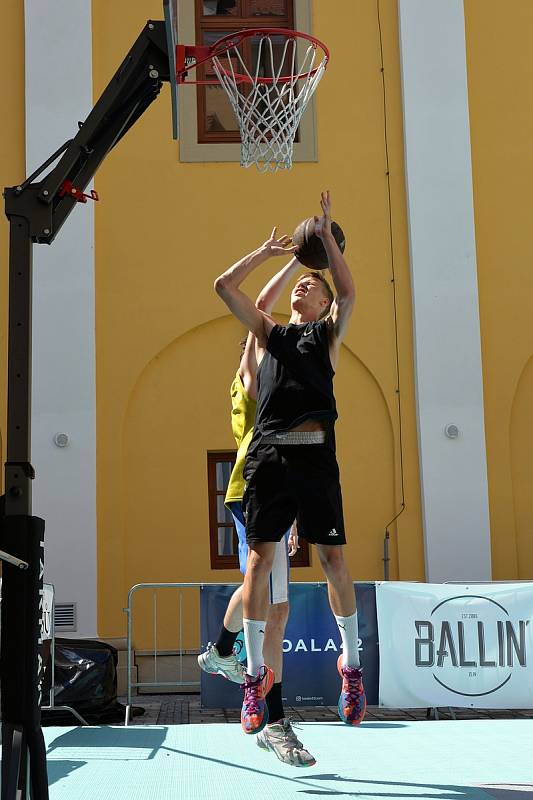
x=291, y=468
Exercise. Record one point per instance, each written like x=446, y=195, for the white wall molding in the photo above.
x=445, y=294
x=58, y=39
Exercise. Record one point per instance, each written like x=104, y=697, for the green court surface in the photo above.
x=448, y=760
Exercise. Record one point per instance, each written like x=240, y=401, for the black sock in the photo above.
x=275, y=704
x=224, y=643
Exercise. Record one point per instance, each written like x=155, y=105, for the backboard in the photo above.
x=170, y=8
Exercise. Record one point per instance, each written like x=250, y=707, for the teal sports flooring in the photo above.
x=445, y=760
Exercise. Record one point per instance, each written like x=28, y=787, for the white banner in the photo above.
x=46, y=618
x=455, y=645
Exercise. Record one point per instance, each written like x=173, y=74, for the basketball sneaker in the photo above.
x=281, y=739
x=228, y=666
x=254, y=713
x=352, y=701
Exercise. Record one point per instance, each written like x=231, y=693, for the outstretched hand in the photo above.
x=323, y=223
x=278, y=247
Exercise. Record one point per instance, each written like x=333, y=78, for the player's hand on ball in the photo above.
x=323, y=223
x=279, y=247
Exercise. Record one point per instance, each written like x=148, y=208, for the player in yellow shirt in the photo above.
x=219, y=658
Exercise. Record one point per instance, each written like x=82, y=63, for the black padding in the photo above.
x=20, y=666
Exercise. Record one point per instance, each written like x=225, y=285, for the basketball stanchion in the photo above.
x=36, y=210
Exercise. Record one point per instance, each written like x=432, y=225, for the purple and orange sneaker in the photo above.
x=352, y=702
x=254, y=713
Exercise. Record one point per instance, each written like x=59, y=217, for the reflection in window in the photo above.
x=216, y=119
x=212, y=8
x=218, y=111
x=271, y=58
x=223, y=472
x=226, y=543
x=223, y=513
x=268, y=8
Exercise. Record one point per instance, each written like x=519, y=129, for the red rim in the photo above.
x=224, y=44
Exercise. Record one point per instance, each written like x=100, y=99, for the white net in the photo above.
x=270, y=100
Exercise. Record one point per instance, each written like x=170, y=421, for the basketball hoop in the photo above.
x=268, y=99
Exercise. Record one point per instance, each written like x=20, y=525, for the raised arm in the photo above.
x=266, y=300
x=227, y=286
x=248, y=366
x=270, y=294
x=342, y=306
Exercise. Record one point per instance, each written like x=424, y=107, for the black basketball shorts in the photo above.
x=288, y=482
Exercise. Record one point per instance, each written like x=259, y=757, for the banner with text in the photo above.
x=46, y=619
x=455, y=645
x=311, y=646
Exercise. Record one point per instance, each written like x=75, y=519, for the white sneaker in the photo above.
x=281, y=739
x=229, y=666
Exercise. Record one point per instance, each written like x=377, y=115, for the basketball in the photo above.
x=311, y=252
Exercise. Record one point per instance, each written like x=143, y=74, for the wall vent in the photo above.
x=65, y=617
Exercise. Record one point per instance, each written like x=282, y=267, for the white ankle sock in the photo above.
x=254, y=633
x=350, y=640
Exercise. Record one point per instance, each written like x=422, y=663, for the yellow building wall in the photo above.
x=500, y=86
x=167, y=348
x=12, y=166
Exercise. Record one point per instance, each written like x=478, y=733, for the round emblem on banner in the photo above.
x=472, y=645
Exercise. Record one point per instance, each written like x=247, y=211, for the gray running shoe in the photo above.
x=281, y=739
x=229, y=666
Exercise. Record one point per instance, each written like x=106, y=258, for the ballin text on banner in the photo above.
x=455, y=645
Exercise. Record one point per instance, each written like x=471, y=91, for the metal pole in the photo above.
x=155, y=637
x=18, y=472
x=52, y=696
x=128, y=705
x=23, y=537
x=181, y=636
x=386, y=558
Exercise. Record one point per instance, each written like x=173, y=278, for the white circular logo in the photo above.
x=471, y=645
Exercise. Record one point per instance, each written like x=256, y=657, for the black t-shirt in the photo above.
x=295, y=379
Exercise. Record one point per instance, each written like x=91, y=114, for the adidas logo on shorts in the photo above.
x=333, y=532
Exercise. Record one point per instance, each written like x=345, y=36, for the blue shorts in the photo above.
x=279, y=577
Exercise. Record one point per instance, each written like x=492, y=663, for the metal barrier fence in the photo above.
x=129, y=611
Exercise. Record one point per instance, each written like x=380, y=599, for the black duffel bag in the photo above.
x=85, y=679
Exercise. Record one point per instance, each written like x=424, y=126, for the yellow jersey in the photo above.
x=242, y=424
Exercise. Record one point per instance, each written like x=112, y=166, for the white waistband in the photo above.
x=295, y=437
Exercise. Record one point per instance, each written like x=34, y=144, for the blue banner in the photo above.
x=311, y=647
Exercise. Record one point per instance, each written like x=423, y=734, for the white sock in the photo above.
x=254, y=633
x=350, y=640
